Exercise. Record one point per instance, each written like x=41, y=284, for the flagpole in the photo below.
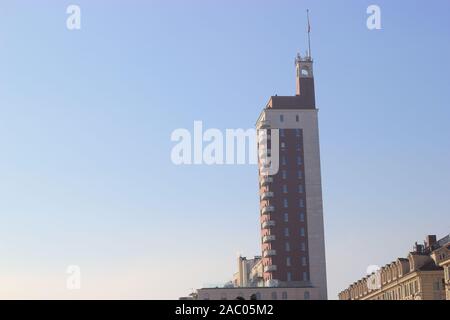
x=309, y=32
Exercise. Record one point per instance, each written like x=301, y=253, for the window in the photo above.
x=283, y=160
x=288, y=263
x=286, y=232
x=300, y=188
x=306, y=295
x=297, y=118
x=287, y=246
x=281, y=132
x=301, y=203
x=289, y=276
x=284, y=174
x=297, y=132
x=305, y=276
x=299, y=174
x=284, y=295
x=302, y=217
x=285, y=203
x=281, y=118
x=274, y=295
x=304, y=261
x=299, y=160
x=283, y=145
x=302, y=246
x=286, y=217
x=285, y=188
x=437, y=285
x=302, y=232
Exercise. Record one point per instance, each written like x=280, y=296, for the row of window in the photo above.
x=284, y=160
x=257, y=296
x=297, y=118
x=302, y=261
x=410, y=290
x=304, y=276
x=300, y=188
x=301, y=203
x=283, y=146
x=286, y=232
x=284, y=174
x=287, y=246
x=301, y=216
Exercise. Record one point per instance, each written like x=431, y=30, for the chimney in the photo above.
x=430, y=241
x=418, y=248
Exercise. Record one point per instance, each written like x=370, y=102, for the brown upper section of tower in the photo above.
x=304, y=95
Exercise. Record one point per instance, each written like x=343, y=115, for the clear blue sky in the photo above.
x=86, y=118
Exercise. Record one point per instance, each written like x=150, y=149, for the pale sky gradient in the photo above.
x=86, y=118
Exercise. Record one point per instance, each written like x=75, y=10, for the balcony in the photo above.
x=272, y=283
x=263, y=124
x=268, y=224
x=267, y=210
x=266, y=180
x=263, y=137
x=265, y=165
x=268, y=238
x=266, y=195
x=270, y=268
x=269, y=253
x=263, y=152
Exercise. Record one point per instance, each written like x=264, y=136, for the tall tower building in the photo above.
x=291, y=210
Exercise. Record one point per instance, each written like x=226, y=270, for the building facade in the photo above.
x=257, y=293
x=417, y=277
x=291, y=211
x=442, y=257
x=249, y=274
x=292, y=262
x=248, y=284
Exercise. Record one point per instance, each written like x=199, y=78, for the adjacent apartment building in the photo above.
x=292, y=260
x=422, y=275
x=441, y=255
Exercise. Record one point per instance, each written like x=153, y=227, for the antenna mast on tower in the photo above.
x=309, y=37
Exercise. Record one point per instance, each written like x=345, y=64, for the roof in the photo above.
x=305, y=101
x=291, y=102
x=430, y=266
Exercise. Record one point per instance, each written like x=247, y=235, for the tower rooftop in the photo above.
x=303, y=102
